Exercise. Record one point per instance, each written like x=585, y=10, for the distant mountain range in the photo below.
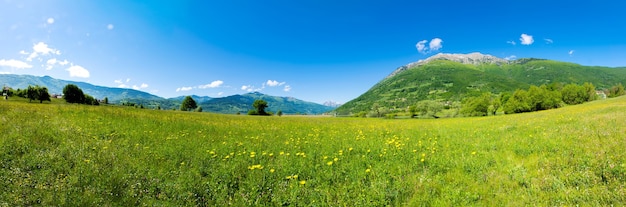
x=230, y=104
x=451, y=77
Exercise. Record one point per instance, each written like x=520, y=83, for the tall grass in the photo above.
x=61, y=154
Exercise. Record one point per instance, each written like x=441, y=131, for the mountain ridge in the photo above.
x=289, y=105
x=451, y=77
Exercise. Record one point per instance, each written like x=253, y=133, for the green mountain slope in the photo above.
x=243, y=103
x=451, y=77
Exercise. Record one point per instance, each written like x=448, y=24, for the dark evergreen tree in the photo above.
x=188, y=104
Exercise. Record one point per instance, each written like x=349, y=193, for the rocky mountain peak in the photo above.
x=474, y=58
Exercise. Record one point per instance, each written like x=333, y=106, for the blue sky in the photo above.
x=314, y=50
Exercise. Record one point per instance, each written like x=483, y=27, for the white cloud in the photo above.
x=435, y=44
x=24, y=52
x=50, y=20
x=184, y=89
x=287, y=88
x=511, y=42
x=78, y=71
x=526, y=39
x=110, y=26
x=14, y=64
x=246, y=88
x=64, y=62
x=122, y=86
x=142, y=86
x=273, y=83
x=548, y=41
x=50, y=63
x=213, y=84
x=571, y=52
x=421, y=46
x=42, y=48
x=512, y=57
x=220, y=93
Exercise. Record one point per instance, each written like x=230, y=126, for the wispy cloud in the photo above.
x=142, y=86
x=287, y=88
x=184, y=89
x=571, y=52
x=14, y=64
x=511, y=42
x=434, y=45
x=213, y=84
x=511, y=57
x=78, y=71
x=110, y=26
x=273, y=83
x=50, y=20
x=548, y=41
x=526, y=39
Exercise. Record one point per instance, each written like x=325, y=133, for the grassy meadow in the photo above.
x=75, y=155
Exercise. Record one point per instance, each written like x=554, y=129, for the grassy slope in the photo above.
x=452, y=81
x=57, y=154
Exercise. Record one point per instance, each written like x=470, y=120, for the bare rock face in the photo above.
x=471, y=58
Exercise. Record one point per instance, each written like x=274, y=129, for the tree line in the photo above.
x=71, y=94
x=536, y=98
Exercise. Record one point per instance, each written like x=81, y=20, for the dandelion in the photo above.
x=336, y=159
x=367, y=170
x=272, y=170
x=329, y=163
x=474, y=153
x=302, y=182
x=422, y=160
x=87, y=161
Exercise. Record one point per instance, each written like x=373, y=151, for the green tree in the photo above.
x=90, y=100
x=42, y=94
x=617, y=90
x=259, y=105
x=199, y=109
x=32, y=93
x=188, y=104
x=590, y=89
x=518, y=103
x=279, y=113
x=477, y=106
x=574, y=94
x=106, y=100
x=428, y=107
x=73, y=94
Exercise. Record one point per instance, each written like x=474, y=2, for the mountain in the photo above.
x=198, y=99
x=243, y=103
x=451, y=77
x=55, y=86
x=229, y=104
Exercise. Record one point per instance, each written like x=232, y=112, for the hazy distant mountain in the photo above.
x=243, y=103
x=229, y=104
x=55, y=86
x=451, y=77
x=198, y=99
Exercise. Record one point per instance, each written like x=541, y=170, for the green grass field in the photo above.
x=74, y=155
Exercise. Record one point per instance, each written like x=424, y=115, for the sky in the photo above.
x=313, y=50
